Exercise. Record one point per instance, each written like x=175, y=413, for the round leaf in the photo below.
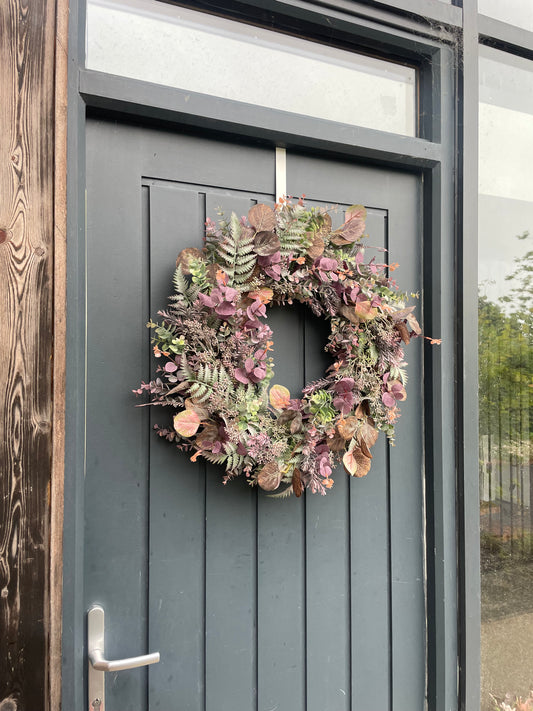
x=207, y=436
x=355, y=211
x=368, y=434
x=265, y=295
x=354, y=227
x=279, y=397
x=266, y=243
x=296, y=424
x=347, y=427
x=202, y=413
x=186, y=423
x=212, y=270
x=356, y=463
x=262, y=217
x=185, y=257
x=337, y=443
x=361, y=410
x=269, y=477
x=363, y=463
x=349, y=313
x=339, y=241
x=411, y=320
x=365, y=311
x=349, y=462
x=316, y=249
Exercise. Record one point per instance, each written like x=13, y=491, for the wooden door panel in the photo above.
x=177, y=531
x=117, y=437
x=388, y=620
x=314, y=604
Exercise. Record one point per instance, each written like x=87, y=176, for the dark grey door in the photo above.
x=316, y=604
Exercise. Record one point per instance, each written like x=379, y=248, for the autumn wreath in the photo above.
x=214, y=342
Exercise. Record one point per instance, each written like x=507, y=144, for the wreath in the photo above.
x=214, y=341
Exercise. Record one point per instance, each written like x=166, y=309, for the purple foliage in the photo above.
x=344, y=399
x=271, y=264
x=222, y=300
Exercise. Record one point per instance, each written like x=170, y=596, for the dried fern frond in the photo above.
x=236, y=253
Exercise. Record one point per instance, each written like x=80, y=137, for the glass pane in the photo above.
x=505, y=378
x=165, y=44
x=515, y=12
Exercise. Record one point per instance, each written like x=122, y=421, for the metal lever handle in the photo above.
x=106, y=665
x=98, y=664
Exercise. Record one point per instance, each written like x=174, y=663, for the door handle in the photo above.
x=98, y=664
x=107, y=665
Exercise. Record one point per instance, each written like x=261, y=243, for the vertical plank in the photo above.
x=327, y=569
x=281, y=549
x=177, y=491
x=370, y=548
x=231, y=566
x=59, y=363
x=328, y=534
x=117, y=433
x=370, y=583
x=407, y=476
x=231, y=595
x=26, y=346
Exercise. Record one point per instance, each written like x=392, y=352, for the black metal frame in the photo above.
x=506, y=37
x=442, y=40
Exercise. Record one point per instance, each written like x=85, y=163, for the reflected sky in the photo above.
x=514, y=12
x=165, y=44
x=505, y=166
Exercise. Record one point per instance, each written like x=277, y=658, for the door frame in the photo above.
x=453, y=609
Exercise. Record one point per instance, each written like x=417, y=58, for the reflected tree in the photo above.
x=506, y=415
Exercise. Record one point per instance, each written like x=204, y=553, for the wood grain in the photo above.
x=59, y=361
x=27, y=53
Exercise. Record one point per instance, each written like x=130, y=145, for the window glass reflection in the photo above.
x=505, y=377
x=165, y=44
x=515, y=12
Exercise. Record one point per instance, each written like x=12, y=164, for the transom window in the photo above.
x=165, y=44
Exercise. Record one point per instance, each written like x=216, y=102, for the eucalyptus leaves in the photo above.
x=214, y=341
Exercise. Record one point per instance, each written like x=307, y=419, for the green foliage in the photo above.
x=214, y=458
x=166, y=338
x=234, y=461
x=321, y=407
x=236, y=252
x=294, y=239
x=230, y=458
x=505, y=373
x=367, y=350
x=295, y=231
x=198, y=269
x=207, y=379
x=184, y=291
x=399, y=374
x=283, y=494
x=186, y=372
x=505, y=329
